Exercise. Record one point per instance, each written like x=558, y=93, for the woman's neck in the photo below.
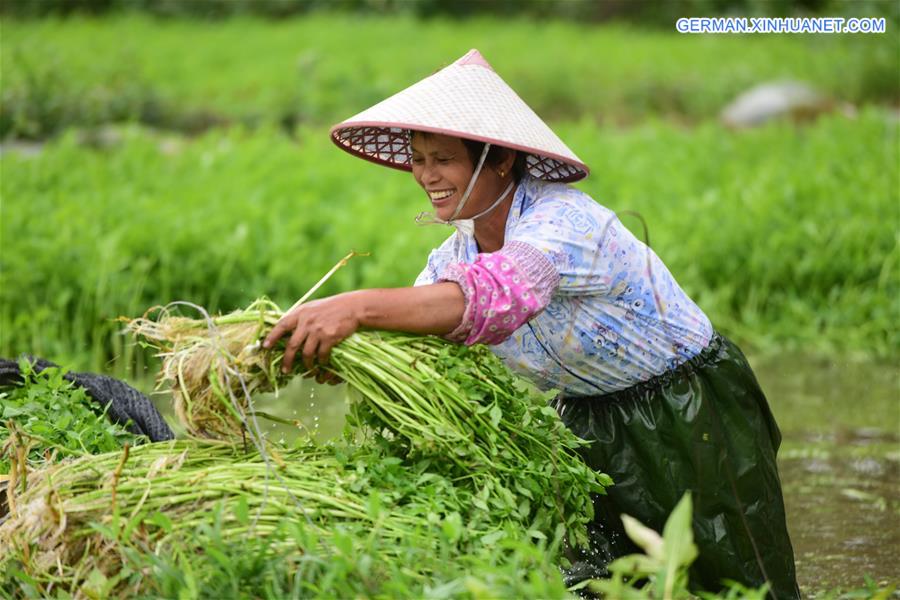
x=491, y=228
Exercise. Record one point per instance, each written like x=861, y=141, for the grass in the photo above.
x=321, y=69
x=783, y=235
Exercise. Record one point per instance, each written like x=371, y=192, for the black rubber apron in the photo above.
x=705, y=427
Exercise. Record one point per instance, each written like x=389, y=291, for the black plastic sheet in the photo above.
x=123, y=404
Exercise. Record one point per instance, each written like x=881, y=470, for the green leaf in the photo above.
x=219, y=556
x=242, y=511
x=526, y=418
x=548, y=411
x=161, y=520
x=678, y=540
x=492, y=538
x=374, y=505
x=451, y=527
x=10, y=411
x=647, y=540
x=496, y=415
x=640, y=565
x=524, y=508
x=344, y=543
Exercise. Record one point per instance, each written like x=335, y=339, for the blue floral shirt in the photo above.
x=617, y=316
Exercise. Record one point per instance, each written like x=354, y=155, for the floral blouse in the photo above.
x=573, y=301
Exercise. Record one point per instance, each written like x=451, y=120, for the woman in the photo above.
x=567, y=297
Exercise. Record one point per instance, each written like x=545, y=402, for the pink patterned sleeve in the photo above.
x=503, y=290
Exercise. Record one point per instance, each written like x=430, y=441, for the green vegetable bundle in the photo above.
x=444, y=450
x=420, y=395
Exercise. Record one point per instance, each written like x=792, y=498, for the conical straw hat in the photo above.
x=466, y=99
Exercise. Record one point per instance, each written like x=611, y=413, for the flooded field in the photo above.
x=840, y=460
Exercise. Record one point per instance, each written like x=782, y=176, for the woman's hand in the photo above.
x=317, y=328
x=320, y=325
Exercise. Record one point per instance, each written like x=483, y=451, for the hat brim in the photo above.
x=387, y=144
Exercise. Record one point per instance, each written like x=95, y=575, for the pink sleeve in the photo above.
x=503, y=290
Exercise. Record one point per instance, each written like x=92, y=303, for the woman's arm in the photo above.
x=320, y=325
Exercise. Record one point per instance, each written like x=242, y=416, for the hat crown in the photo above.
x=473, y=57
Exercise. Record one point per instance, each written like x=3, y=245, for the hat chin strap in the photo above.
x=430, y=218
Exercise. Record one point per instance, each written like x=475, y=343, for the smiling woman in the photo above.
x=570, y=299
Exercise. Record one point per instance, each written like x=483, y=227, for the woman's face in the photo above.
x=441, y=165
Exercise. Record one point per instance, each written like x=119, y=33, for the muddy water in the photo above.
x=840, y=466
x=839, y=460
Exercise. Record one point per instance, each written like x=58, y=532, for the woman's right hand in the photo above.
x=315, y=328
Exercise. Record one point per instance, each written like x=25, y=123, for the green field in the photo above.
x=324, y=68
